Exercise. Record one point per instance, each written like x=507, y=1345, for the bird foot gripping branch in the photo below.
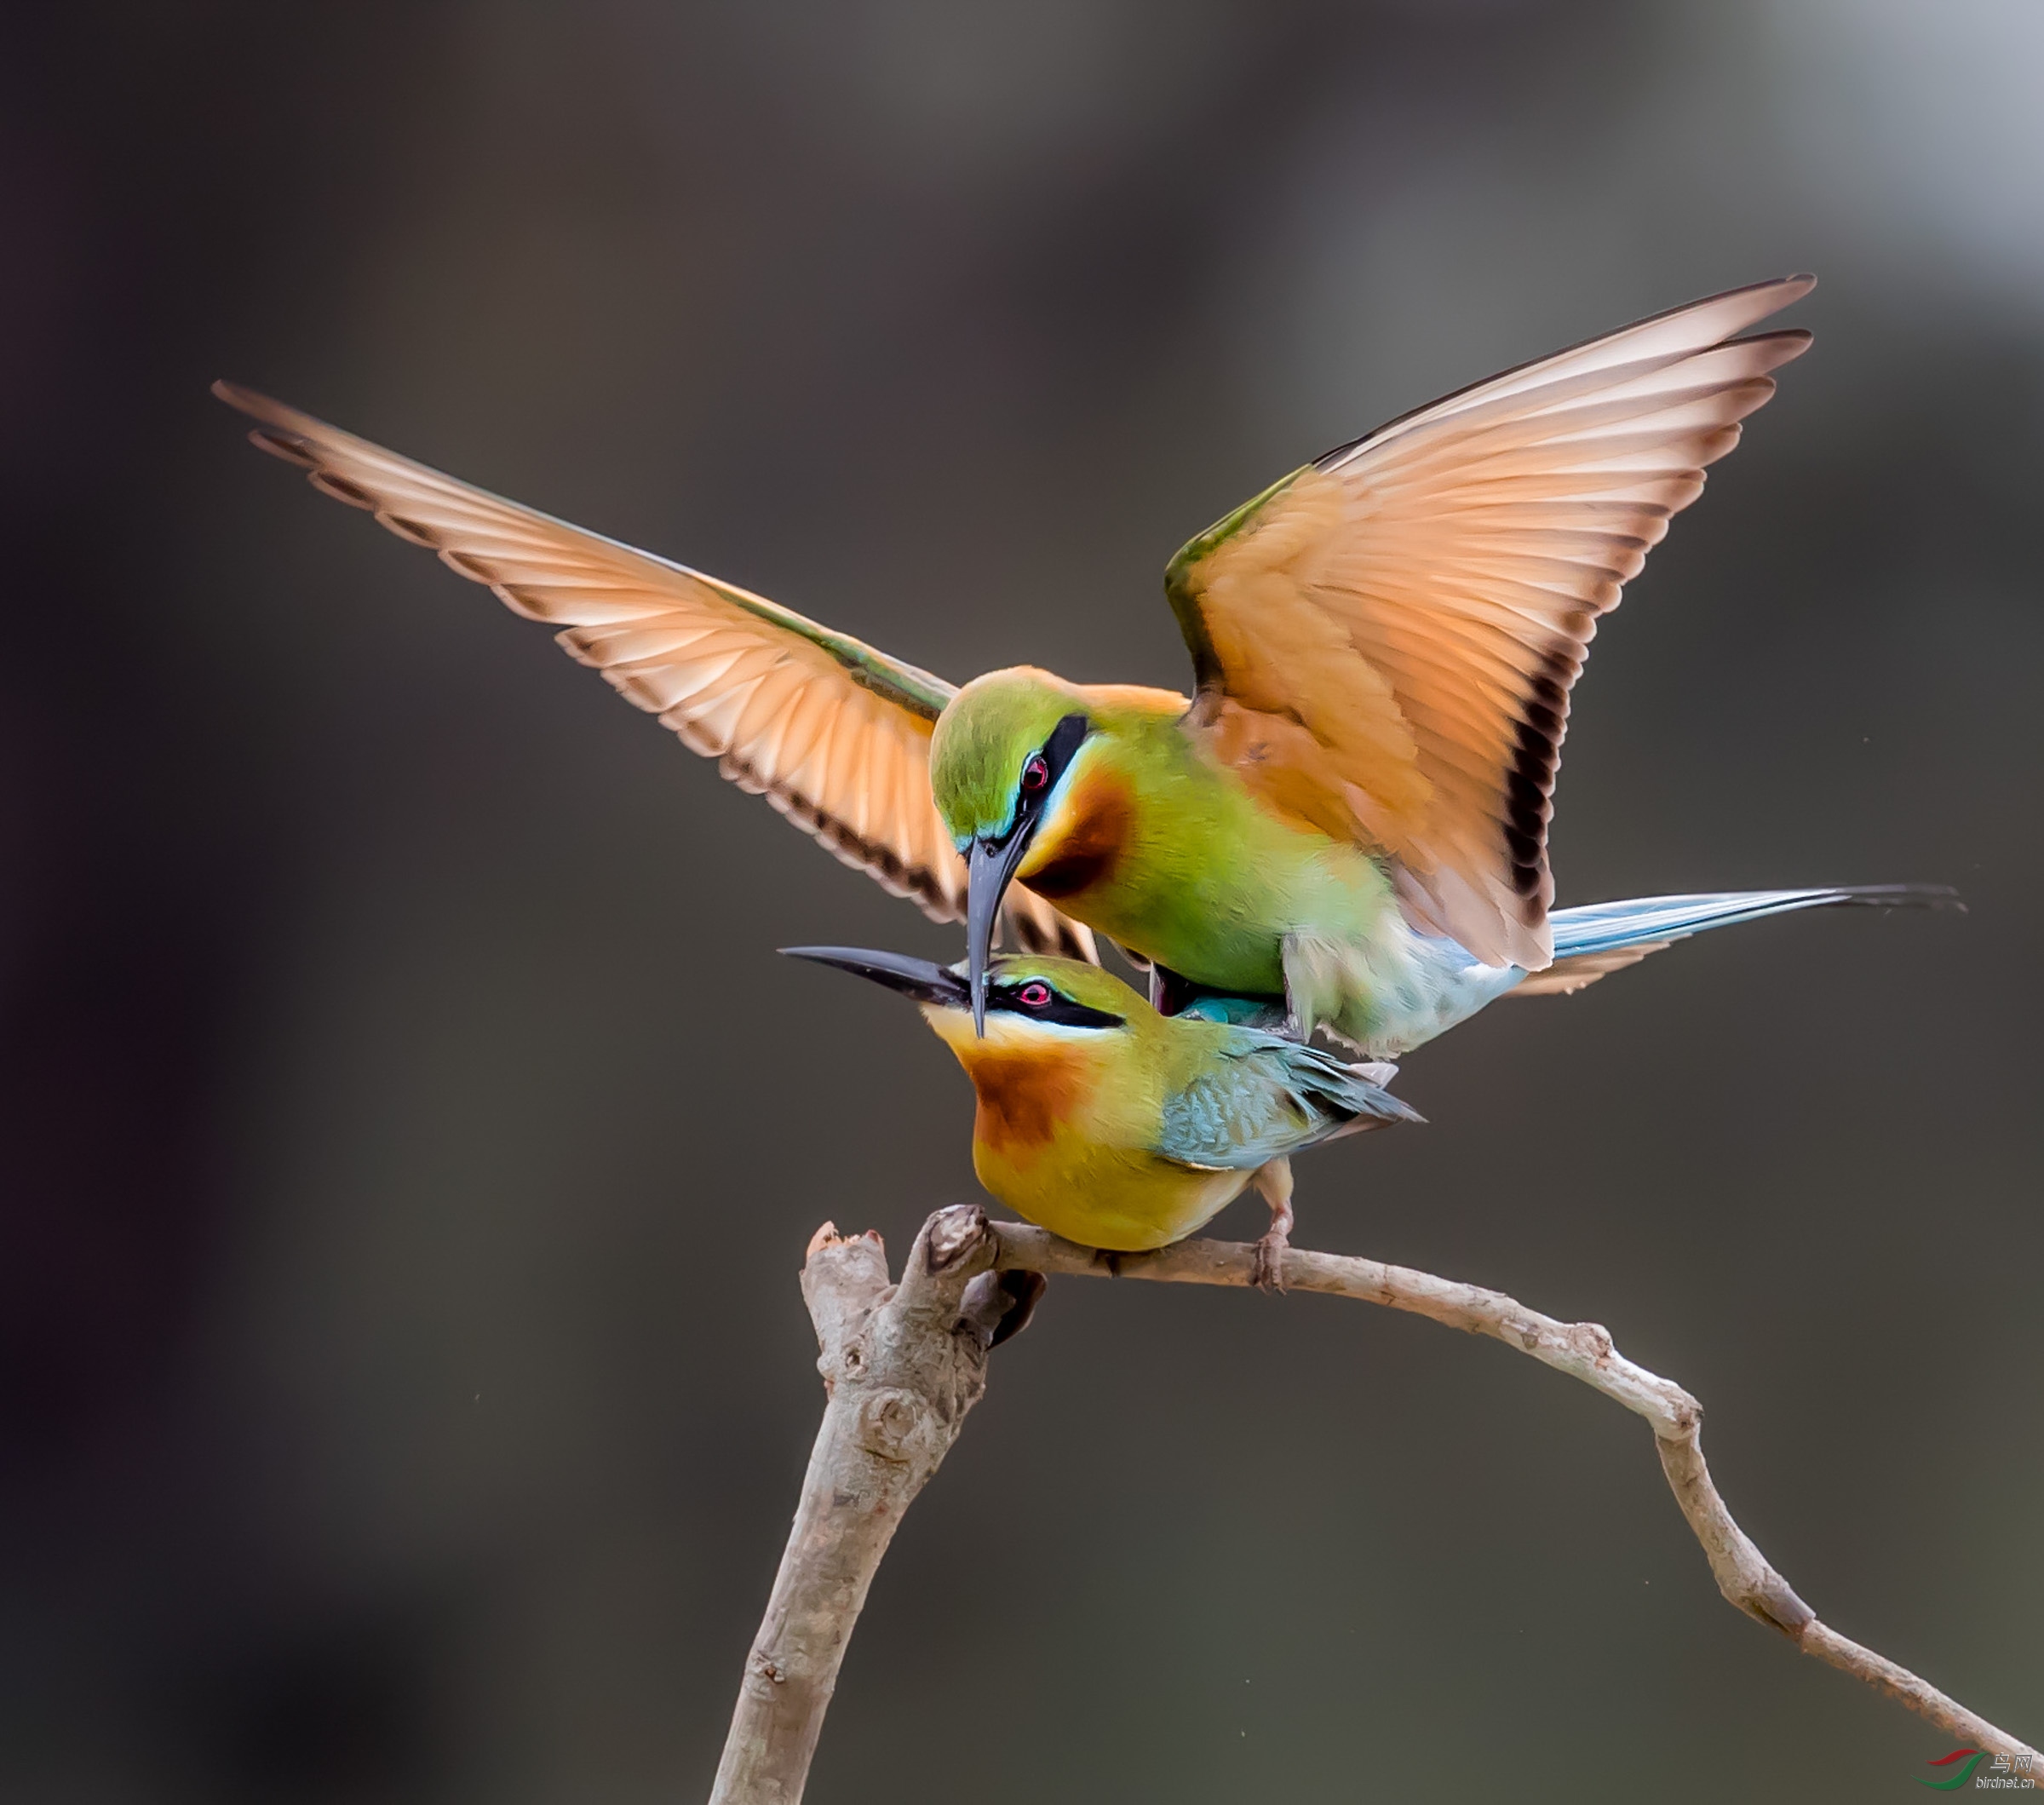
x=1274, y=1182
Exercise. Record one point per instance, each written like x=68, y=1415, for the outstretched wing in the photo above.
x=833, y=733
x=1385, y=640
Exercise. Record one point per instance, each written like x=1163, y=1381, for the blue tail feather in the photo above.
x=1593, y=941
x=1654, y=920
x=1448, y=986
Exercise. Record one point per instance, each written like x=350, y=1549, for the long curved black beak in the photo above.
x=990, y=869
x=916, y=978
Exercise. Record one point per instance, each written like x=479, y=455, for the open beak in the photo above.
x=990, y=869
x=916, y=978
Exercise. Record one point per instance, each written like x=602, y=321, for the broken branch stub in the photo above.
x=901, y=1364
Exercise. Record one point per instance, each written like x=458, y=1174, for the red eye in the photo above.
x=1034, y=774
x=1035, y=996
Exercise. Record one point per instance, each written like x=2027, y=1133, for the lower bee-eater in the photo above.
x=1357, y=795
x=1117, y=1127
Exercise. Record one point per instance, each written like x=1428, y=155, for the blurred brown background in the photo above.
x=410, y=1137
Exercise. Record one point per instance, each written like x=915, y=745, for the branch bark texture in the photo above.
x=901, y=1364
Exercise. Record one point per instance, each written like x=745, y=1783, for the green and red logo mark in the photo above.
x=1971, y=1757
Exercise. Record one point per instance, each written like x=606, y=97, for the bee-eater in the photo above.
x=1117, y=1127
x=1355, y=800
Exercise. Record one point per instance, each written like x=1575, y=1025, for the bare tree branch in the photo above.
x=903, y=1365
x=1584, y=1351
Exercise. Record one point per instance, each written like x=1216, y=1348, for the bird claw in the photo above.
x=1273, y=1180
x=1266, y=1270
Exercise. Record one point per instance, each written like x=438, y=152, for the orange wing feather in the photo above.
x=1385, y=641
x=833, y=733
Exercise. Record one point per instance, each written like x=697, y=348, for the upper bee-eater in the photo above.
x=1350, y=812
x=1117, y=1127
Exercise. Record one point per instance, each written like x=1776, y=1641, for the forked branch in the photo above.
x=903, y=1365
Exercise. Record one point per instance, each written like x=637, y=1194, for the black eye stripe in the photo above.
x=1065, y=740
x=1056, y=1007
x=1055, y=754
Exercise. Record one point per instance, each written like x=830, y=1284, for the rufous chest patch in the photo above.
x=1024, y=1096
x=1083, y=845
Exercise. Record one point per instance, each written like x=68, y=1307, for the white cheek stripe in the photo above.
x=1006, y=1029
